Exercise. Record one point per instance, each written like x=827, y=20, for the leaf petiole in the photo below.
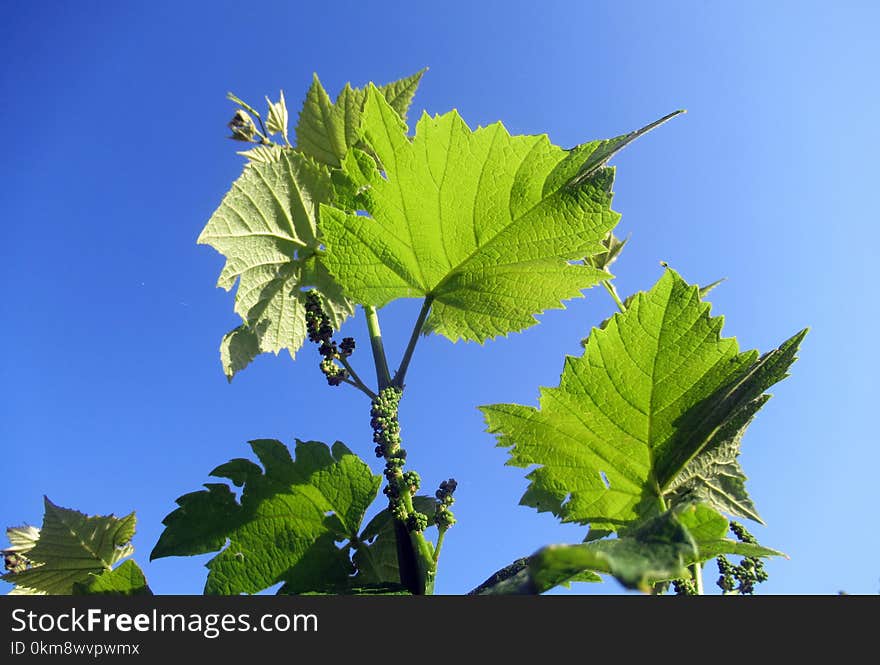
x=369, y=393
x=400, y=374
x=383, y=376
x=697, y=574
x=613, y=291
x=355, y=380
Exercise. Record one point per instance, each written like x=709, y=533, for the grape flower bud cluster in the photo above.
x=750, y=571
x=321, y=333
x=386, y=436
x=443, y=517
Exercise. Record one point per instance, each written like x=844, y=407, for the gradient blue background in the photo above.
x=113, y=127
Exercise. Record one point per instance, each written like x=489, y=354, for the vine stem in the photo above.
x=400, y=374
x=697, y=573
x=440, y=536
x=613, y=291
x=366, y=391
x=383, y=376
x=355, y=379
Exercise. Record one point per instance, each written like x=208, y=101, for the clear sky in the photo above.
x=113, y=121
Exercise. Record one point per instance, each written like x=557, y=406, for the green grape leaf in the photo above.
x=482, y=223
x=326, y=130
x=70, y=548
x=127, y=579
x=276, y=122
x=516, y=579
x=653, y=389
x=658, y=549
x=612, y=247
x=266, y=229
x=285, y=528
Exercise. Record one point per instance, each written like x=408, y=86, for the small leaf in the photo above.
x=21, y=539
x=613, y=246
x=656, y=550
x=276, y=122
x=237, y=349
x=71, y=547
x=399, y=94
x=659, y=551
x=326, y=130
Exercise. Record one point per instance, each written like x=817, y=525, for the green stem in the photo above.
x=355, y=379
x=697, y=573
x=366, y=391
x=400, y=374
x=383, y=376
x=610, y=288
x=660, y=498
x=439, y=544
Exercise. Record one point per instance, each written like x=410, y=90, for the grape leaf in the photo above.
x=286, y=525
x=653, y=389
x=71, y=547
x=516, y=579
x=483, y=223
x=325, y=130
x=658, y=549
x=266, y=228
x=127, y=579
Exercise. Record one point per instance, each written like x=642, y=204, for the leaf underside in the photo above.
x=266, y=226
x=71, y=548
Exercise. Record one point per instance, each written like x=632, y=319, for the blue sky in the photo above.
x=114, y=125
